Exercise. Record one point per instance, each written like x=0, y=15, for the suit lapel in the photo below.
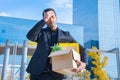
x=46, y=37
x=63, y=36
x=59, y=34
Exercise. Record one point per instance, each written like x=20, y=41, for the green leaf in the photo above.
x=56, y=47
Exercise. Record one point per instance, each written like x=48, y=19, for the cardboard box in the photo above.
x=63, y=61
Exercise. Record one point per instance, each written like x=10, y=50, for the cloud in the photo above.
x=61, y=3
x=3, y=14
x=63, y=9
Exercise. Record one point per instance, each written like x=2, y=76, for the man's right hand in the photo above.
x=50, y=19
x=47, y=16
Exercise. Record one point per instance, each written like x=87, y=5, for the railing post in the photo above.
x=13, y=61
x=6, y=59
x=24, y=60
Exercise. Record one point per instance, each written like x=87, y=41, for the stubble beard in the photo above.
x=53, y=26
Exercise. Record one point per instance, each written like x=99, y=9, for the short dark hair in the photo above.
x=48, y=9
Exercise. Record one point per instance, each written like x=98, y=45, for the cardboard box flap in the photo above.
x=76, y=56
x=61, y=52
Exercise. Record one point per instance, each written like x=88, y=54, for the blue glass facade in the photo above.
x=101, y=20
x=15, y=29
x=91, y=43
x=85, y=13
x=109, y=31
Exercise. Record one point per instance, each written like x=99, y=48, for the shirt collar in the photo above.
x=52, y=30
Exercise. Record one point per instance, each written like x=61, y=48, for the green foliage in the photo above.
x=56, y=47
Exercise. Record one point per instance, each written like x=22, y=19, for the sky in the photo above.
x=32, y=9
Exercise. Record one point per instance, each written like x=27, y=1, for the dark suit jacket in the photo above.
x=40, y=35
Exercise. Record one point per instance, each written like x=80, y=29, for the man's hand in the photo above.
x=50, y=19
x=81, y=66
x=48, y=16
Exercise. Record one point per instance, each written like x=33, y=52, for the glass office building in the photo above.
x=101, y=20
x=85, y=13
x=15, y=29
x=109, y=32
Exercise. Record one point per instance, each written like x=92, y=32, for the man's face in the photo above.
x=50, y=17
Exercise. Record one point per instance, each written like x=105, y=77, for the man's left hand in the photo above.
x=81, y=66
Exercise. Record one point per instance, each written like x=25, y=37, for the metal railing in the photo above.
x=6, y=60
x=114, y=51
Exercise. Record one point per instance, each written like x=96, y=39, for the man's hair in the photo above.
x=48, y=9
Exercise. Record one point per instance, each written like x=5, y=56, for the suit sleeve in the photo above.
x=83, y=51
x=34, y=32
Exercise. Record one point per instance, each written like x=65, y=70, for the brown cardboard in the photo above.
x=64, y=61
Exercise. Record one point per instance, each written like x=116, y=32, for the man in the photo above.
x=40, y=67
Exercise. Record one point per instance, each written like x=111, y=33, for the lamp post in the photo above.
x=118, y=62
